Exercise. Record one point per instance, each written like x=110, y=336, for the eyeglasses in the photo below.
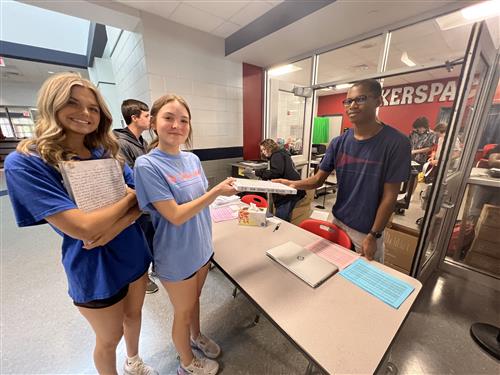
x=361, y=99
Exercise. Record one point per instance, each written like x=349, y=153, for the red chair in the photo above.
x=255, y=199
x=328, y=231
x=483, y=161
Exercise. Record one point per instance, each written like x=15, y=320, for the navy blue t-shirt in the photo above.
x=36, y=191
x=362, y=169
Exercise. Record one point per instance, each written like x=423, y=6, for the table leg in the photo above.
x=310, y=368
x=463, y=223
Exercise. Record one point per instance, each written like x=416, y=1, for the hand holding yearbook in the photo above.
x=93, y=184
x=243, y=184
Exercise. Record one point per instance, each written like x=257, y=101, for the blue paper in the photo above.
x=378, y=283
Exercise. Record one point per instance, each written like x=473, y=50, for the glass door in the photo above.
x=443, y=197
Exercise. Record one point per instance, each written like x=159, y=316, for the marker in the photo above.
x=277, y=227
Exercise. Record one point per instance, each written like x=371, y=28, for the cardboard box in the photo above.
x=481, y=246
x=393, y=266
x=483, y=262
x=490, y=215
x=488, y=233
x=399, y=249
x=252, y=216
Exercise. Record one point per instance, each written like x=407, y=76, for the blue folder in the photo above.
x=385, y=287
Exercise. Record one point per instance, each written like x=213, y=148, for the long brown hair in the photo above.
x=157, y=105
x=49, y=134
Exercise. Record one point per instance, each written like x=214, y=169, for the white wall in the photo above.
x=191, y=63
x=102, y=75
x=19, y=93
x=129, y=67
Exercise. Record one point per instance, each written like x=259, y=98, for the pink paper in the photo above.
x=334, y=253
x=223, y=213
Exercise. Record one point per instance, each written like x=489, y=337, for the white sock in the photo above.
x=133, y=359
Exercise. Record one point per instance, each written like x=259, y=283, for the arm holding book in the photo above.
x=178, y=214
x=312, y=182
x=87, y=226
x=123, y=222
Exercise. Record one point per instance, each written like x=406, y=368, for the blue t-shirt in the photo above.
x=362, y=169
x=36, y=191
x=179, y=250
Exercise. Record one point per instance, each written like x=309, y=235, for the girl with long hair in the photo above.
x=172, y=186
x=104, y=253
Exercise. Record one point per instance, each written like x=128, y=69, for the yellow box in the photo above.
x=255, y=216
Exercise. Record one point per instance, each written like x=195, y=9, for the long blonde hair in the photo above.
x=157, y=105
x=49, y=134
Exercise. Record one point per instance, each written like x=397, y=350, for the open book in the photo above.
x=93, y=183
x=243, y=184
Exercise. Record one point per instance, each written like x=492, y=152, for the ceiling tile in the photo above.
x=160, y=8
x=251, y=12
x=226, y=29
x=223, y=9
x=195, y=18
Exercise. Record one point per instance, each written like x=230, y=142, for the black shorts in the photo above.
x=106, y=302
x=192, y=275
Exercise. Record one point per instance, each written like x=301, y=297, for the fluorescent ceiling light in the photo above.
x=285, y=69
x=343, y=86
x=50, y=72
x=405, y=59
x=481, y=11
x=473, y=13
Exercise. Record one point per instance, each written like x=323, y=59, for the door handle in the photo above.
x=447, y=205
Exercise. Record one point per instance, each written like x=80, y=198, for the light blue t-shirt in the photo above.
x=179, y=250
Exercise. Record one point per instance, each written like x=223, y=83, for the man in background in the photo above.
x=371, y=160
x=132, y=145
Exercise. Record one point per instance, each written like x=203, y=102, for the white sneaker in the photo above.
x=199, y=366
x=138, y=368
x=208, y=346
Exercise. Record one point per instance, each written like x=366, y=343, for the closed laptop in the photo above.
x=308, y=266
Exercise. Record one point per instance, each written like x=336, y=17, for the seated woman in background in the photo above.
x=280, y=166
x=440, y=130
x=422, y=140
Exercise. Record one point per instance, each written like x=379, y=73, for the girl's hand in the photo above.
x=226, y=187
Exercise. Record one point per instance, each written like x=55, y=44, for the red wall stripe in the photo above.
x=253, y=106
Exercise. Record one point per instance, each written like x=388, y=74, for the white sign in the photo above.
x=426, y=93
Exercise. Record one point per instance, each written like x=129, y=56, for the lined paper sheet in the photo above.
x=385, y=287
x=223, y=213
x=333, y=253
x=93, y=183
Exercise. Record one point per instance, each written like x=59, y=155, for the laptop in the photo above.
x=303, y=263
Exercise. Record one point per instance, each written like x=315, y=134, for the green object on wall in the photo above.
x=320, y=130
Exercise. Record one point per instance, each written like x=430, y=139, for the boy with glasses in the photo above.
x=371, y=161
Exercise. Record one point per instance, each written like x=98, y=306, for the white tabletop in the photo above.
x=480, y=176
x=340, y=326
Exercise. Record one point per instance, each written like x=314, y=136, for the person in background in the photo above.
x=440, y=131
x=132, y=145
x=371, y=161
x=280, y=166
x=104, y=253
x=172, y=186
x=422, y=140
x=494, y=157
x=486, y=194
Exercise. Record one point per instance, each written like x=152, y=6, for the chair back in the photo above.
x=487, y=148
x=328, y=231
x=255, y=199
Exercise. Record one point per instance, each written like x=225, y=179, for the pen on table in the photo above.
x=276, y=227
